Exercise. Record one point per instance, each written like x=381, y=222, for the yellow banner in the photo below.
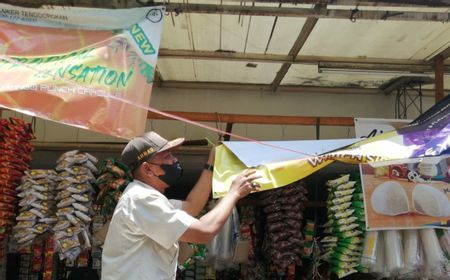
x=382, y=148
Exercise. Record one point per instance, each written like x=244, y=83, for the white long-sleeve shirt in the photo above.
x=142, y=239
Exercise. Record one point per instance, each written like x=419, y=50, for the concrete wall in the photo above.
x=235, y=102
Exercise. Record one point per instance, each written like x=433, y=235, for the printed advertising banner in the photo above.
x=81, y=67
x=405, y=174
x=410, y=193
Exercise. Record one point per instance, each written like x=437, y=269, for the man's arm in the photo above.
x=204, y=229
x=199, y=195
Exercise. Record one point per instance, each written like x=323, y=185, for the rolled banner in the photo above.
x=393, y=251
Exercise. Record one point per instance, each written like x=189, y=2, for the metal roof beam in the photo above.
x=235, y=87
x=388, y=68
x=306, y=12
x=135, y=3
x=445, y=54
x=364, y=62
x=301, y=39
x=390, y=3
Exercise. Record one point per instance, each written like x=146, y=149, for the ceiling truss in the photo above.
x=354, y=13
x=321, y=9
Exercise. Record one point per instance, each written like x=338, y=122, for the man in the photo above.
x=142, y=239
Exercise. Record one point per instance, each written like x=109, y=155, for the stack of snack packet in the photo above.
x=74, y=203
x=15, y=148
x=37, y=207
x=284, y=215
x=345, y=227
x=113, y=178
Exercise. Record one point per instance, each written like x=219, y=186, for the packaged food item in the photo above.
x=65, y=202
x=80, y=207
x=339, y=181
x=343, y=247
x=80, y=188
x=81, y=197
x=26, y=216
x=40, y=228
x=61, y=225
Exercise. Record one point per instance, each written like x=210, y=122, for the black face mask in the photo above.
x=173, y=173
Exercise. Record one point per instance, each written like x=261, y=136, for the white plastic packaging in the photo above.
x=369, y=255
x=411, y=250
x=434, y=257
x=393, y=251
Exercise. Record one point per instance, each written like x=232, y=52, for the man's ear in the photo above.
x=145, y=167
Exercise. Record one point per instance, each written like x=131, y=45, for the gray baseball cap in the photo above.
x=144, y=146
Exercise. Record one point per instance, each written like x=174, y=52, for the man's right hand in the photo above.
x=242, y=184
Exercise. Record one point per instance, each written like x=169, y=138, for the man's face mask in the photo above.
x=173, y=173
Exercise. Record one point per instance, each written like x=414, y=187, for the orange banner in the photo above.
x=78, y=77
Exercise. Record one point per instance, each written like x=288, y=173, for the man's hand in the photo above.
x=243, y=184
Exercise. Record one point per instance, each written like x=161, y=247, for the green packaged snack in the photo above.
x=340, y=250
x=346, y=221
x=349, y=246
x=328, y=239
x=350, y=233
x=345, y=257
x=351, y=240
x=344, y=193
x=340, y=207
x=348, y=227
x=346, y=186
x=339, y=181
x=343, y=199
x=345, y=214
